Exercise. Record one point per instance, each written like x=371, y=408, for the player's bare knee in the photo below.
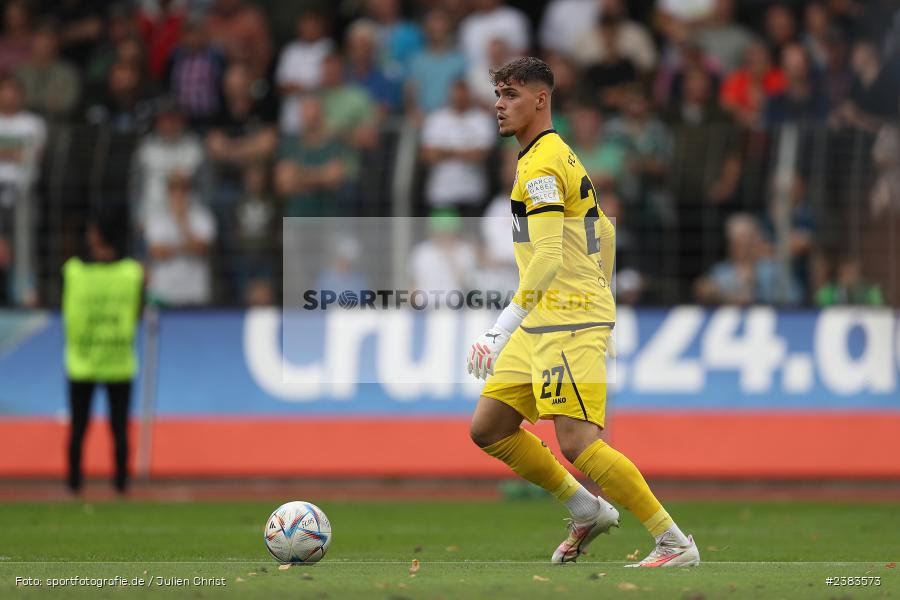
x=571, y=448
x=573, y=442
x=492, y=422
x=575, y=436
x=484, y=434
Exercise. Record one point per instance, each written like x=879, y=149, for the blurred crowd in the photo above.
x=208, y=120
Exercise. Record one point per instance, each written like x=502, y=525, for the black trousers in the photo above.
x=80, y=396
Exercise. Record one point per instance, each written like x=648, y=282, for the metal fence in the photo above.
x=823, y=200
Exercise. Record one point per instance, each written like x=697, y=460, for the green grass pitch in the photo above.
x=465, y=549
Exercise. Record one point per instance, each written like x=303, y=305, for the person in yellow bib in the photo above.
x=544, y=358
x=101, y=303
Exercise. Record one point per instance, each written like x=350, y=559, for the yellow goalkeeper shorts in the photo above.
x=542, y=375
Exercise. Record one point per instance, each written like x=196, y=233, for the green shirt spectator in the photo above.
x=850, y=288
x=349, y=110
x=315, y=168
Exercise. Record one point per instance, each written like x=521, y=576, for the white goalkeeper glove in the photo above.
x=484, y=352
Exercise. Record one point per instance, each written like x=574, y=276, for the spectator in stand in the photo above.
x=703, y=190
x=478, y=75
x=363, y=69
x=890, y=47
x=849, y=287
x=884, y=199
x=643, y=185
x=687, y=12
x=131, y=49
x=254, y=219
x=124, y=104
x=721, y=38
x=627, y=243
x=299, y=68
x=748, y=275
x=80, y=26
x=160, y=23
x=121, y=42
x=817, y=28
x=170, y=148
x=240, y=31
x=350, y=111
x=868, y=19
x=567, y=89
x=243, y=134
x=179, y=241
x=23, y=135
x=837, y=76
x=314, y=169
x=398, y=39
x=747, y=90
x=342, y=272
x=444, y=261
x=780, y=27
x=194, y=74
x=565, y=22
x=456, y=142
x=692, y=57
x=873, y=98
x=15, y=43
x=802, y=227
x=679, y=53
x=674, y=18
x=496, y=257
x=52, y=85
x=244, y=137
x=616, y=34
x=802, y=99
x=433, y=70
x=613, y=70
x=492, y=20
x=603, y=157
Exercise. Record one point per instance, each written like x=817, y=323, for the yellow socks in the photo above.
x=621, y=481
x=527, y=455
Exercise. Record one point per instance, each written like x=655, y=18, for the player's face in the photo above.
x=516, y=106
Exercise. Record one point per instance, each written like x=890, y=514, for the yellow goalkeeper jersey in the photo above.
x=550, y=178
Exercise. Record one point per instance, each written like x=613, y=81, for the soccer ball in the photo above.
x=297, y=533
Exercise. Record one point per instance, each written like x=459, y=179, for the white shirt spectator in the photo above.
x=633, y=42
x=456, y=181
x=300, y=64
x=442, y=267
x=184, y=278
x=478, y=81
x=565, y=21
x=27, y=132
x=497, y=270
x=157, y=158
x=686, y=10
x=496, y=231
x=504, y=22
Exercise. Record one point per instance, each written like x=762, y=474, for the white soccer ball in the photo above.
x=298, y=533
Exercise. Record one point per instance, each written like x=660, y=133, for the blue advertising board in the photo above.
x=232, y=363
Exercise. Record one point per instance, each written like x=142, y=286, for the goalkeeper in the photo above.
x=545, y=356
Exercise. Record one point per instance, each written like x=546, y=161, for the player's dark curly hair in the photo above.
x=523, y=70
